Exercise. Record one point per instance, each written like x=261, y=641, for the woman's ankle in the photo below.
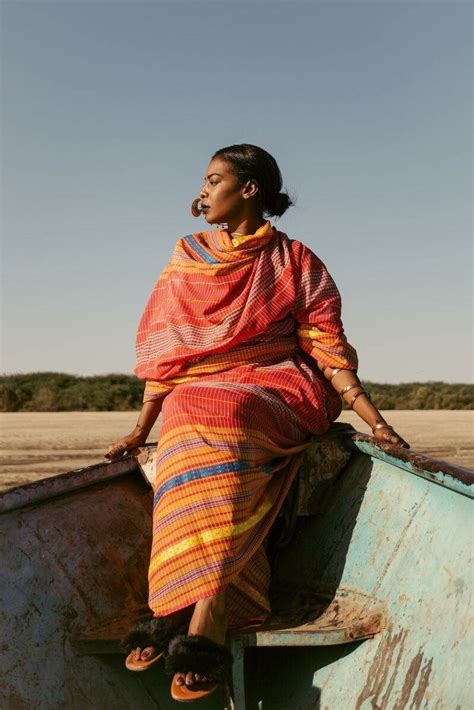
x=210, y=618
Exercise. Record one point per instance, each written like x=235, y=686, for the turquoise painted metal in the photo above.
x=370, y=592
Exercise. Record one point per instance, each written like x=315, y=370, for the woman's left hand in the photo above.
x=388, y=435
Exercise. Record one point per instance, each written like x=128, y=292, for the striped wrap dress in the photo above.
x=230, y=338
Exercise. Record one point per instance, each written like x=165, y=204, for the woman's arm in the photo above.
x=320, y=334
x=139, y=435
x=348, y=385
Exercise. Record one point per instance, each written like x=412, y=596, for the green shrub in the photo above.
x=59, y=392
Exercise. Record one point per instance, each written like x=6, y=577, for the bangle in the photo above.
x=334, y=373
x=381, y=425
x=349, y=387
x=357, y=394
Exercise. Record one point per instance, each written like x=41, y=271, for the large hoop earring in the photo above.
x=196, y=210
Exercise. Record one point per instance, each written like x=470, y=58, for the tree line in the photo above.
x=58, y=392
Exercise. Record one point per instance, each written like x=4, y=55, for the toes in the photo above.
x=190, y=679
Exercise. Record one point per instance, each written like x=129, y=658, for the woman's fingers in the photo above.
x=396, y=439
x=117, y=449
x=389, y=436
x=393, y=438
x=123, y=445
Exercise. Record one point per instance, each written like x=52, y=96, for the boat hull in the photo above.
x=372, y=525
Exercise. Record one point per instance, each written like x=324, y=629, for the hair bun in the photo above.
x=281, y=204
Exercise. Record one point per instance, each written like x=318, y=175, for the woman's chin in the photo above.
x=212, y=219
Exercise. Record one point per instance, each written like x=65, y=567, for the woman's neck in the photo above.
x=246, y=226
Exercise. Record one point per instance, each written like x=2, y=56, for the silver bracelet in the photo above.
x=349, y=387
x=381, y=425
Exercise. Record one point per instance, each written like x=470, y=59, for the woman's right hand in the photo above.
x=126, y=443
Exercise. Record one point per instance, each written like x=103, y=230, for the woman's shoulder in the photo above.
x=302, y=253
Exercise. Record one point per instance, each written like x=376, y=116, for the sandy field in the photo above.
x=36, y=445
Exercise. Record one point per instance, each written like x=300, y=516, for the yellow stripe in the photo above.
x=321, y=336
x=207, y=536
x=159, y=386
x=154, y=386
x=331, y=359
x=261, y=232
x=178, y=267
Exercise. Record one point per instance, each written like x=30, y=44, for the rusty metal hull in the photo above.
x=393, y=533
x=392, y=529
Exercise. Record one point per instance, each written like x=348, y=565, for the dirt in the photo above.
x=37, y=445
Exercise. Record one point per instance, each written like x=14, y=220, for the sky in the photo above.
x=112, y=110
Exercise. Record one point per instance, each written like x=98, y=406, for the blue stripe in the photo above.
x=202, y=252
x=197, y=473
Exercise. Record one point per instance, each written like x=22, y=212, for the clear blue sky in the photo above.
x=111, y=111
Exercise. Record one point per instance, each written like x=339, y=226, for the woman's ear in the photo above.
x=250, y=189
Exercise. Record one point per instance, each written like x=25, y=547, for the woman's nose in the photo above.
x=203, y=192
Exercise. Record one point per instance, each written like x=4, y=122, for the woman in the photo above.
x=242, y=349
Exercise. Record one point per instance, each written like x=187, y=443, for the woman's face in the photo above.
x=223, y=198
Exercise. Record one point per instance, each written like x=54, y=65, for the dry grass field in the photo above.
x=36, y=445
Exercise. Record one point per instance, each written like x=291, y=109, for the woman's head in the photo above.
x=243, y=178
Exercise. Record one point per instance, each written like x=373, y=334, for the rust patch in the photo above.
x=384, y=671
x=409, y=681
x=420, y=461
x=420, y=692
x=352, y=613
x=365, y=628
x=380, y=668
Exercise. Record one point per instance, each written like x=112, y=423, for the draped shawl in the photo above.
x=223, y=303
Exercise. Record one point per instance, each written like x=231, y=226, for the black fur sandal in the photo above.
x=156, y=632
x=198, y=654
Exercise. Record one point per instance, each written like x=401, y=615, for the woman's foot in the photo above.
x=144, y=655
x=209, y=620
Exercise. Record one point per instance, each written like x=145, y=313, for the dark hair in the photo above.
x=249, y=162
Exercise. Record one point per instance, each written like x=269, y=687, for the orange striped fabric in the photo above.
x=230, y=337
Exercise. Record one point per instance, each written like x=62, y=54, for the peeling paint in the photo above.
x=383, y=674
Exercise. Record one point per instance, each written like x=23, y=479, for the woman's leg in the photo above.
x=227, y=455
x=226, y=458
x=209, y=619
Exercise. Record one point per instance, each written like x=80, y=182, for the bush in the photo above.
x=58, y=392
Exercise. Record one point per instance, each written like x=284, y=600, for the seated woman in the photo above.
x=243, y=351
